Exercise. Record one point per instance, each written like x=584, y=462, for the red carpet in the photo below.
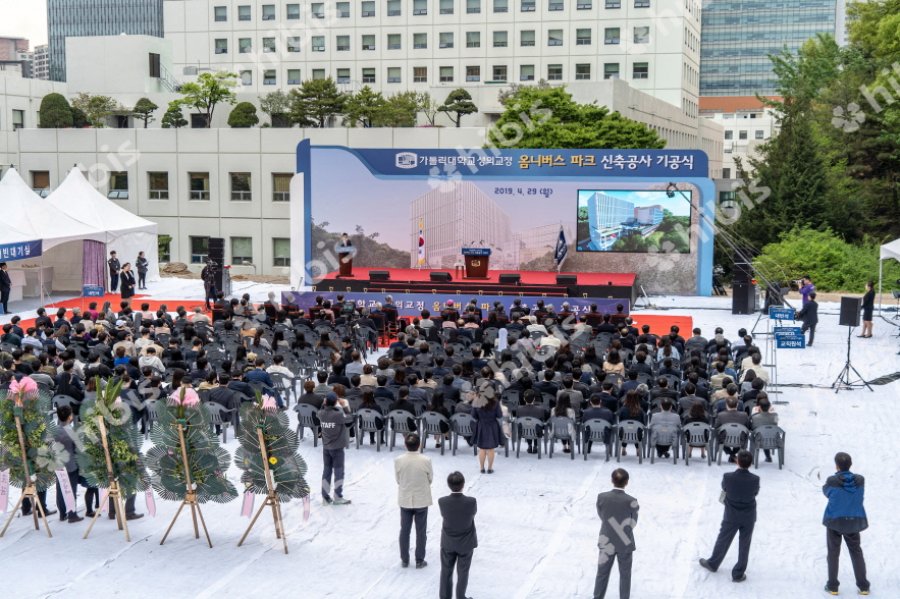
x=114, y=302
x=529, y=277
x=660, y=324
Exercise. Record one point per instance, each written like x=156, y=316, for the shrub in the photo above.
x=243, y=116
x=55, y=112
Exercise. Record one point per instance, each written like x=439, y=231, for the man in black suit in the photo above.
x=458, y=537
x=5, y=287
x=810, y=317
x=740, y=488
x=532, y=410
x=618, y=513
x=114, y=268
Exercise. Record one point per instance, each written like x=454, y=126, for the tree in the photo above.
x=277, y=105
x=458, y=103
x=96, y=108
x=144, y=110
x=243, y=116
x=173, y=117
x=363, y=108
x=210, y=90
x=55, y=112
x=79, y=119
x=399, y=110
x=548, y=117
x=315, y=102
x=427, y=106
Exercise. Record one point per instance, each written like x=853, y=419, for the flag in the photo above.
x=421, y=256
x=561, y=248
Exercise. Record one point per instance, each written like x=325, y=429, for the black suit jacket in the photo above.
x=5, y=281
x=809, y=315
x=741, y=488
x=458, y=532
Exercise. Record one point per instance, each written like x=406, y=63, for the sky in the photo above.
x=24, y=18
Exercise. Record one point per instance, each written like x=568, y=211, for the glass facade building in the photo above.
x=737, y=37
x=83, y=18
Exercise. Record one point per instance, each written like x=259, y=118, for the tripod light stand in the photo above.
x=843, y=380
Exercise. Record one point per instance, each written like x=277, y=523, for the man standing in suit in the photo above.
x=114, y=268
x=618, y=513
x=5, y=287
x=740, y=488
x=809, y=315
x=414, y=475
x=458, y=537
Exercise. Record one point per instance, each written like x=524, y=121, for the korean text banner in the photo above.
x=20, y=251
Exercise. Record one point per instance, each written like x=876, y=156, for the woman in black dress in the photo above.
x=868, y=306
x=488, y=435
x=127, y=278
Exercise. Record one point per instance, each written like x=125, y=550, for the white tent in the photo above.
x=889, y=251
x=125, y=232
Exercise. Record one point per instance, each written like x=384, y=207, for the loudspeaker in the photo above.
x=566, y=279
x=510, y=279
x=216, y=248
x=441, y=277
x=850, y=309
x=743, y=272
x=743, y=298
x=379, y=275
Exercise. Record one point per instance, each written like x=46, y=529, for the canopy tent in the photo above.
x=124, y=232
x=889, y=251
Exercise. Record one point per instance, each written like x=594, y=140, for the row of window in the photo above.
x=612, y=36
x=447, y=74
x=742, y=134
x=394, y=8
x=241, y=251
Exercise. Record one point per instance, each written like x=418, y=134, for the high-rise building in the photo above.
x=739, y=35
x=606, y=216
x=82, y=18
x=540, y=241
x=40, y=64
x=15, y=56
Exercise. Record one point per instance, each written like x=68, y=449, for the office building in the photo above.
x=540, y=241
x=649, y=215
x=40, y=63
x=606, y=216
x=83, y=18
x=15, y=55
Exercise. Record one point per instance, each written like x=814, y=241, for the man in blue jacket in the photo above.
x=844, y=518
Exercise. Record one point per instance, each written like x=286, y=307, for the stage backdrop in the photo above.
x=418, y=207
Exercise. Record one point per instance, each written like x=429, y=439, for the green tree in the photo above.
x=458, y=104
x=210, y=90
x=399, y=110
x=55, y=112
x=316, y=102
x=427, y=106
x=243, y=116
x=174, y=118
x=96, y=108
x=363, y=108
x=277, y=105
x=79, y=119
x=548, y=117
x=143, y=110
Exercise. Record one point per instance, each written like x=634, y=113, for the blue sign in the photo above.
x=476, y=251
x=92, y=291
x=781, y=313
x=789, y=337
x=21, y=251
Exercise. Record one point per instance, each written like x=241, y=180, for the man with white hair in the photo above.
x=199, y=316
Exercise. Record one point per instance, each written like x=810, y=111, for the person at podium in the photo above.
x=345, y=241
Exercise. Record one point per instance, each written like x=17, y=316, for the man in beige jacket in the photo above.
x=414, y=475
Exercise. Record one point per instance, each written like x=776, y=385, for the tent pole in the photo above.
x=880, y=274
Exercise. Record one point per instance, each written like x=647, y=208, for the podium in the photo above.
x=345, y=255
x=476, y=260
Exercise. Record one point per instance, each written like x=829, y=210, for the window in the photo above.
x=611, y=36
x=293, y=44
x=582, y=37
x=281, y=251
x=292, y=12
x=642, y=35
x=726, y=173
x=268, y=12
x=582, y=72
x=555, y=5
x=498, y=72
x=270, y=77
x=244, y=13
x=368, y=75
x=343, y=10
x=759, y=134
x=394, y=41
x=368, y=42
x=318, y=10
x=473, y=73
x=473, y=39
x=281, y=187
x=501, y=5
x=420, y=41
x=446, y=7
x=268, y=45
x=240, y=187
x=221, y=46
x=527, y=6
x=318, y=43
x=527, y=38
x=473, y=7
x=729, y=134
x=500, y=39
x=293, y=77
x=393, y=75
x=245, y=45
x=642, y=3
x=554, y=72
x=368, y=8
x=40, y=182
x=18, y=119
x=164, y=243
x=613, y=4
x=118, y=185
x=158, y=185
x=446, y=74
x=318, y=74
x=198, y=183
x=611, y=70
x=199, y=249
x=420, y=7
x=221, y=14
x=247, y=77
x=555, y=37
x=446, y=39
x=242, y=250
x=342, y=43
x=526, y=72
x=343, y=75
x=742, y=134
x=420, y=74
x=394, y=8
x=584, y=4
x=641, y=70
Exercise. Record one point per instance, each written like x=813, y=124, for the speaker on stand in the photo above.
x=849, y=317
x=221, y=275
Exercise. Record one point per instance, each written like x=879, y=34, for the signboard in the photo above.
x=93, y=291
x=781, y=313
x=476, y=251
x=20, y=251
x=789, y=337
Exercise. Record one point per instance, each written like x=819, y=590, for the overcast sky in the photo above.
x=24, y=18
